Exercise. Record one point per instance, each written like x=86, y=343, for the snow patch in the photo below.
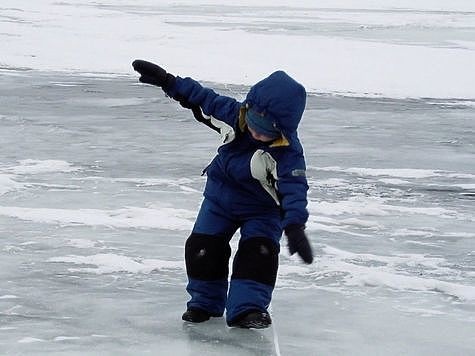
x=7, y=184
x=31, y=166
x=131, y=217
x=397, y=173
x=29, y=340
x=365, y=224
x=412, y=233
x=111, y=263
x=394, y=181
x=8, y=296
x=391, y=172
x=374, y=207
x=66, y=338
x=301, y=38
x=371, y=270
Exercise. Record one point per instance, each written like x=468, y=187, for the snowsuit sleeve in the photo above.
x=292, y=187
x=221, y=107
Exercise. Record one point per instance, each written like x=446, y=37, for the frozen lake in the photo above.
x=100, y=176
x=100, y=183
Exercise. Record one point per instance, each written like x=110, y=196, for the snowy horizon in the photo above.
x=398, y=49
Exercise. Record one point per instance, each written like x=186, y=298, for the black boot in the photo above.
x=195, y=315
x=252, y=320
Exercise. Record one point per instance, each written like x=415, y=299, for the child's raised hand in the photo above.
x=298, y=242
x=150, y=73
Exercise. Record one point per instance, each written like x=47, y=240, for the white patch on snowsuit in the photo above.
x=227, y=132
x=264, y=169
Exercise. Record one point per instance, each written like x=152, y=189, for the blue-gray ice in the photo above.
x=100, y=182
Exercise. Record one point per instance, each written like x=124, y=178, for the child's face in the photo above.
x=259, y=137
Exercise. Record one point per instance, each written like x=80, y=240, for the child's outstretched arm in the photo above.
x=189, y=92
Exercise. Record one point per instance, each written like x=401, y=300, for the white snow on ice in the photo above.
x=29, y=340
x=395, y=172
x=240, y=42
x=66, y=338
x=8, y=296
x=358, y=274
x=8, y=184
x=110, y=263
x=32, y=166
x=131, y=217
x=370, y=270
x=394, y=181
x=373, y=206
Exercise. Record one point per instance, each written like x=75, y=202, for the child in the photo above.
x=256, y=183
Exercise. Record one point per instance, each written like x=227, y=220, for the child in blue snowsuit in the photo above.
x=256, y=183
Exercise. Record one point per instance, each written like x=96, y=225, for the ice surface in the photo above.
x=100, y=177
x=97, y=199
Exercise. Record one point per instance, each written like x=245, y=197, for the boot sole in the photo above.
x=254, y=325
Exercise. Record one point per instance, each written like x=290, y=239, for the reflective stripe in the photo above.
x=264, y=169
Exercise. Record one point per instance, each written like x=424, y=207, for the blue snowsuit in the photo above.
x=259, y=188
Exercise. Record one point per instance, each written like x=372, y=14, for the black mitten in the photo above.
x=298, y=242
x=151, y=73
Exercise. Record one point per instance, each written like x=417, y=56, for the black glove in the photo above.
x=151, y=73
x=298, y=242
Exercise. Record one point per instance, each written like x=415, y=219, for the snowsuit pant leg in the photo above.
x=207, y=253
x=255, y=266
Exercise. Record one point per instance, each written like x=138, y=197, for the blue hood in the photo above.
x=279, y=98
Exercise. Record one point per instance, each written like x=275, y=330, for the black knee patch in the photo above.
x=207, y=257
x=257, y=259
